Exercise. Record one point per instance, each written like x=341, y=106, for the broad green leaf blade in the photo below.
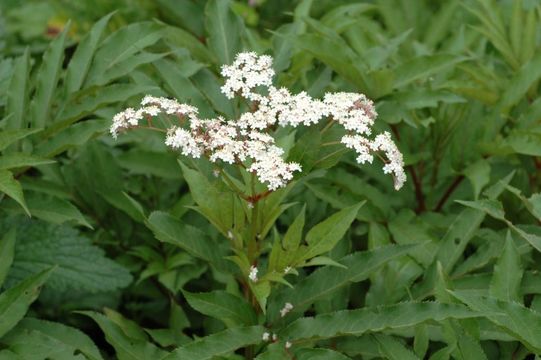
x=293, y=236
x=122, y=45
x=17, y=96
x=47, y=79
x=12, y=188
x=82, y=268
x=168, y=229
x=84, y=104
x=218, y=344
x=326, y=280
x=73, y=136
x=505, y=284
x=479, y=175
x=15, y=301
x=527, y=76
x=53, y=209
x=520, y=322
x=7, y=251
x=7, y=137
x=18, y=160
x=126, y=348
x=32, y=334
x=422, y=67
x=319, y=354
x=324, y=236
x=230, y=309
x=224, y=30
x=83, y=55
x=360, y=321
x=392, y=349
x=129, y=327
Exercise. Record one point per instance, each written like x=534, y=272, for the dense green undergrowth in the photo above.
x=111, y=249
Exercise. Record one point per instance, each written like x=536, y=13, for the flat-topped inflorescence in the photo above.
x=246, y=141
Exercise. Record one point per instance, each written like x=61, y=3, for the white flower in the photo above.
x=274, y=337
x=266, y=336
x=288, y=345
x=247, y=72
x=248, y=141
x=287, y=308
x=253, y=273
x=287, y=269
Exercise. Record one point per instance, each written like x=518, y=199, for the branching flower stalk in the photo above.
x=248, y=143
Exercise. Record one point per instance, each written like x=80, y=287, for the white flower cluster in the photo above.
x=287, y=308
x=246, y=141
x=253, y=273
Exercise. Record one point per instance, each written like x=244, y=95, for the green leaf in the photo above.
x=505, y=284
x=7, y=137
x=525, y=142
x=326, y=280
x=72, y=136
x=517, y=88
x=83, y=55
x=15, y=301
x=224, y=30
x=47, y=79
x=7, y=251
x=121, y=46
x=520, y=322
x=126, y=348
x=218, y=344
x=535, y=201
x=230, y=309
x=479, y=175
x=129, y=327
x=324, y=236
x=423, y=66
x=493, y=208
x=168, y=229
x=49, y=339
x=17, y=96
x=81, y=266
x=392, y=349
x=293, y=236
x=84, y=104
x=360, y=321
x=261, y=291
x=18, y=160
x=319, y=354
x=12, y=188
x=54, y=209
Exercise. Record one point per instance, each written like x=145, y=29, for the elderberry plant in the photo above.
x=252, y=168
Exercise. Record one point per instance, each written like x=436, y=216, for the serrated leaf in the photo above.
x=360, y=321
x=392, y=349
x=326, y=280
x=8, y=137
x=12, y=188
x=224, y=30
x=517, y=88
x=479, y=175
x=72, y=136
x=83, y=55
x=18, y=160
x=17, y=96
x=518, y=321
x=33, y=336
x=493, y=208
x=126, y=348
x=319, y=354
x=221, y=343
x=121, y=46
x=81, y=266
x=422, y=67
x=324, y=236
x=505, y=284
x=15, y=301
x=230, y=309
x=47, y=79
x=54, y=209
x=7, y=251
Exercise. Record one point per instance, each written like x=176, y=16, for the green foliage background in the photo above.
x=103, y=256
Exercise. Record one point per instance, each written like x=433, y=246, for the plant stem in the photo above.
x=448, y=192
